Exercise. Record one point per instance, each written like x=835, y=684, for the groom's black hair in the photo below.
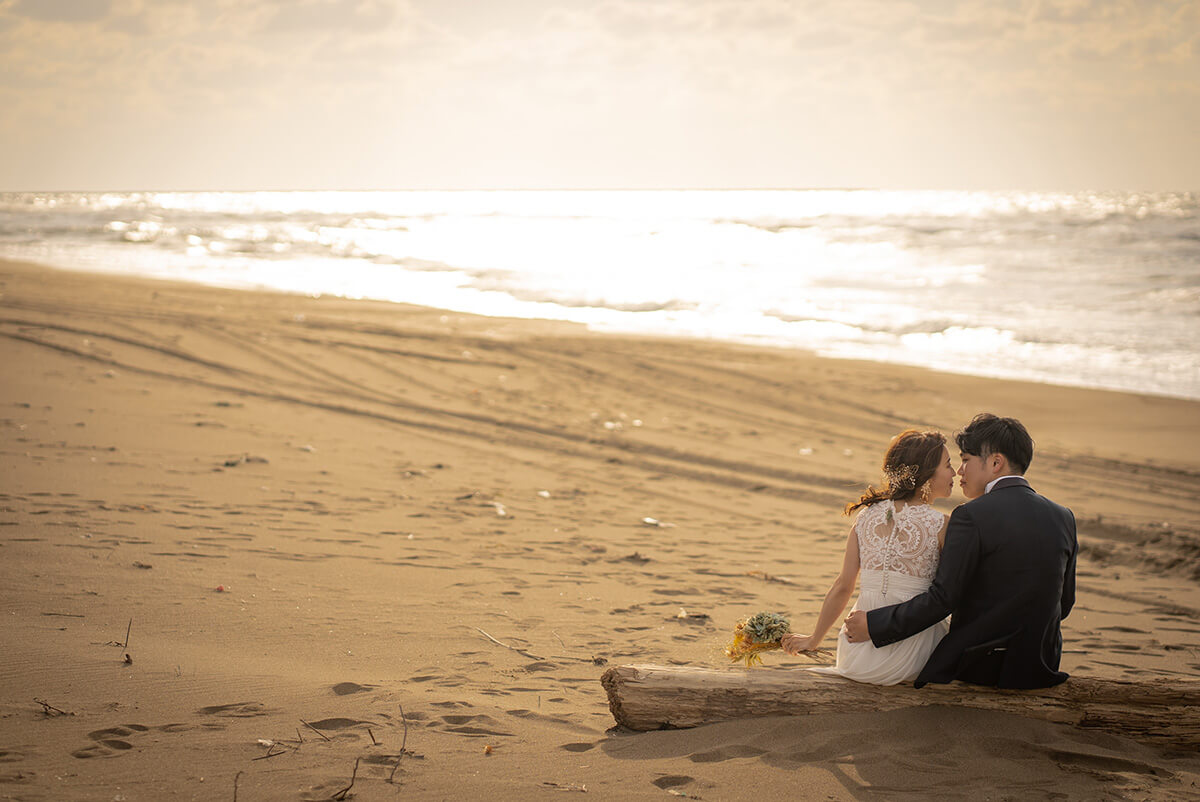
x=989, y=434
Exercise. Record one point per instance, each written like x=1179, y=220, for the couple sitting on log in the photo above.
x=1001, y=565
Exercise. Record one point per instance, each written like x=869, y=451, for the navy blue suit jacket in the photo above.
x=1007, y=574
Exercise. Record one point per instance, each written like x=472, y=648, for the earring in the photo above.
x=926, y=493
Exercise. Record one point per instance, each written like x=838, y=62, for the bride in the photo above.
x=895, y=541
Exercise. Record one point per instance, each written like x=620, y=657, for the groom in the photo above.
x=1007, y=573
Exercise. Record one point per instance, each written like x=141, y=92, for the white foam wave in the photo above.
x=1095, y=289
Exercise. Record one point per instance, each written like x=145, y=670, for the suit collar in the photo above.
x=1010, y=481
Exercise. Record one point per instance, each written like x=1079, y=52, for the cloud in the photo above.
x=723, y=81
x=63, y=10
x=302, y=16
x=129, y=24
x=740, y=52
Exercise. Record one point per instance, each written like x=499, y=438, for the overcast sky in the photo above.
x=395, y=94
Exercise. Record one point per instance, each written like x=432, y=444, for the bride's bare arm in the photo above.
x=835, y=603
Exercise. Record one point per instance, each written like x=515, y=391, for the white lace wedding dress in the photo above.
x=898, y=555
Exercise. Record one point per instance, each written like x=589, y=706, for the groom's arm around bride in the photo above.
x=1007, y=573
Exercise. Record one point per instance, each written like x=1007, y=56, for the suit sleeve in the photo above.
x=960, y=557
x=1068, y=593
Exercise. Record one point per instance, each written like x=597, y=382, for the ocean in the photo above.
x=1094, y=290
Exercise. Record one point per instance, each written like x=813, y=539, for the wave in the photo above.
x=1086, y=288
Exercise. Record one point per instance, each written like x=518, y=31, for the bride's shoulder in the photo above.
x=869, y=513
x=931, y=514
x=876, y=508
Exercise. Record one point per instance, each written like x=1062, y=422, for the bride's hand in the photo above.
x=795, y=644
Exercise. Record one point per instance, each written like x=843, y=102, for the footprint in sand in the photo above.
x=469, y=725
x=388, y=760
x=672, y=781
x=347, y=688
x=19, y=776
x=109, y=742
x=235, y=710
x=174, y=727
x=441, y=680
x=577, y=747
x=558, y=721
x=338, y=723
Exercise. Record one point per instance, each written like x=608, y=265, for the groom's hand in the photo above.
x=856, y=627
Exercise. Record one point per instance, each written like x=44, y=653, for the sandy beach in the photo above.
x=251, y=541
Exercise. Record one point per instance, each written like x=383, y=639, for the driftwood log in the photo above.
x=651, y=697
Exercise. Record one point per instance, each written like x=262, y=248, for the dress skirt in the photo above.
x=897, y=662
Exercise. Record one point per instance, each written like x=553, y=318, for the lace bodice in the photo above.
x=903, y=541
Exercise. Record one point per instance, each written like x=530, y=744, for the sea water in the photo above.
x=1089, y=289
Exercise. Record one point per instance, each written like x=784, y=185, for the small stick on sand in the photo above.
x=314, y=729
x=403, y=743
x=127, y=630
x=530, y=655
x=271, y=753
x=342, y=793
x=299, y=736
x=373, y=741
x=236, y=777
x=51, y=710
x=569, y=657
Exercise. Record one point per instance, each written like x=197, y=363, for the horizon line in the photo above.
x=601, y=189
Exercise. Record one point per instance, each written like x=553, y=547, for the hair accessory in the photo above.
x=902, y=477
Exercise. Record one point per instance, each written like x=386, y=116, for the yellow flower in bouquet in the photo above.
x=752, y=636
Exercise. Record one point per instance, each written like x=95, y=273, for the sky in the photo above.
x=478, y=94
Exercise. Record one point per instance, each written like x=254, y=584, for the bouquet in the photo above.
x=752, y=636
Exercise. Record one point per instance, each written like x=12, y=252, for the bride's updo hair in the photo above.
x=911, y=461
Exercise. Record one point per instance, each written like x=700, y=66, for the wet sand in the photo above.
x=427, y=534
